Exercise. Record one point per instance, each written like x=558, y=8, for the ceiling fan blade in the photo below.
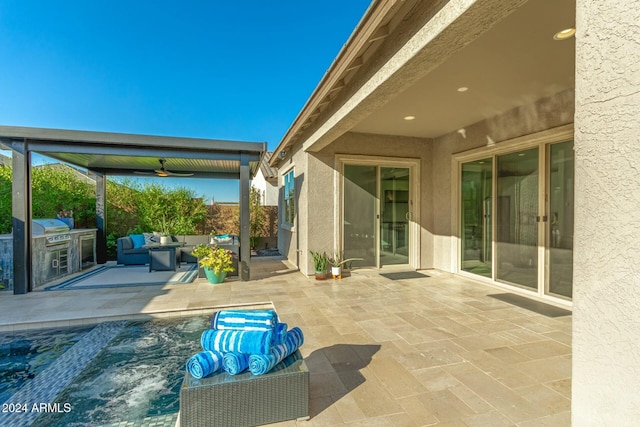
x=144, y=172
x=179, y=173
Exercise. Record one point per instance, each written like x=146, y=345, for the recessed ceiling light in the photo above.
x=521, y=154
x=409, y=117
x=463, y=89
x=564, y=34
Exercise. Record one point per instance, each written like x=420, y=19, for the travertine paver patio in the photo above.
x=436, y=350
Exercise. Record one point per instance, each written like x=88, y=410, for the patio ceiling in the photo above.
x=514, y=62
x=125, y=154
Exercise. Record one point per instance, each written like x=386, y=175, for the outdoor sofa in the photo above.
x=129, y=254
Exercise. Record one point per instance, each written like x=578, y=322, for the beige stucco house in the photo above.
x=479, y=138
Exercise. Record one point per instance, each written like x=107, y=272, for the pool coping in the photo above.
x=158, y=314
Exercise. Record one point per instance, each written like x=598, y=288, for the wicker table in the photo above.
x=247, y=400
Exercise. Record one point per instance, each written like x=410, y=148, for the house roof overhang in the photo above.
x=409, y=58
x=125, y=154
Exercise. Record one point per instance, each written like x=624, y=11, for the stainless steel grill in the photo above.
x=54, y=230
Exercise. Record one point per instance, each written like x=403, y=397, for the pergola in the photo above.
x=116, y=154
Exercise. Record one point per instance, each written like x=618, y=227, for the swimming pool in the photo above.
x=24, y=355
x=131, y=375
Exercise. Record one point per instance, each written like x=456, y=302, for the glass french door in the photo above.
x=376, y=215
x=528, y=240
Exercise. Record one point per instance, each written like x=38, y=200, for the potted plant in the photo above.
x=66, y=216
x=165, y=229
x=320, y=261
x=215, y=261
x=337, y=261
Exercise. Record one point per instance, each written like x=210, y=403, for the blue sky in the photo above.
x=219, y=69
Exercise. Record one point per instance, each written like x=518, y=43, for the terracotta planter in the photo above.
x=321, y=275
x=214, y=278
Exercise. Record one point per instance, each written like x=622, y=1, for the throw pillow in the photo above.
x=149, y=238
x=138, y=240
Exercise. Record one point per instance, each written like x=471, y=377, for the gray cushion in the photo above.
x=127, y=243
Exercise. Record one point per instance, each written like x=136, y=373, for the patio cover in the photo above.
x=118, y=154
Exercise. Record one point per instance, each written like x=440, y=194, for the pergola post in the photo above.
x=101, y=217
x=245, y=249
x=21, y=212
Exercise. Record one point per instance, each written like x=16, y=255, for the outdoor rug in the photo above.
x=403, y=275
x=130, y=275
x=532, y=305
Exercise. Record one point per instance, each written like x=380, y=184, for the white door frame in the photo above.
x=540, y=140
x=413, y=164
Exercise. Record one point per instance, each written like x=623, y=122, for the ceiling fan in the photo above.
x=162, y=172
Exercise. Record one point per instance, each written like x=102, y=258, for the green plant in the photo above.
x=337, y=260
x=257, y=217
x=214, y=258
x=201, y=251
x=112, y=245
x=320, y=261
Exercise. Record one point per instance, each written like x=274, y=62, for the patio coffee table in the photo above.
x=163, y=257
x=247, y=400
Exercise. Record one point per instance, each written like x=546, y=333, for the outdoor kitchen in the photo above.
x=57, y=251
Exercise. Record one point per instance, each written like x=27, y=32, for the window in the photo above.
x=289, y=198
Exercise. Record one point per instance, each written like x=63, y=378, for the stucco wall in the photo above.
x=544, y=114
x=606, y=301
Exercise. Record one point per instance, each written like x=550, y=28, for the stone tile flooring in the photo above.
x=431, y=351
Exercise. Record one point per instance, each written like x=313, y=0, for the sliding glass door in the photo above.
x=528, y=241
x=516, y=218
x=476, y=217
x=394, y=213
x=376, y=214
x=559, y=274
x=360, y=212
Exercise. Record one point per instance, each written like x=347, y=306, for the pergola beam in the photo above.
x=245, y=249
x=21, y=217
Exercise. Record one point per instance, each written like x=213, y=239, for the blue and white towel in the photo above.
x=280, y=333
x=247, y=342
x=287, y=361
x=235, y=363
x=245, y=320
x=260, y=364
x=204, y=363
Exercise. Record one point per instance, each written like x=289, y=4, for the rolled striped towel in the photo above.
x=204, y=363
x=235, y=363
x=247, y=342
x=287, y=361
x=245, y=320
x=260, y=364
x=279, y=333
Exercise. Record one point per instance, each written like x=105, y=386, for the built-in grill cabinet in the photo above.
x=51, y=240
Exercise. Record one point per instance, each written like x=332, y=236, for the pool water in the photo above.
x=24, y=355
x=134, y=379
